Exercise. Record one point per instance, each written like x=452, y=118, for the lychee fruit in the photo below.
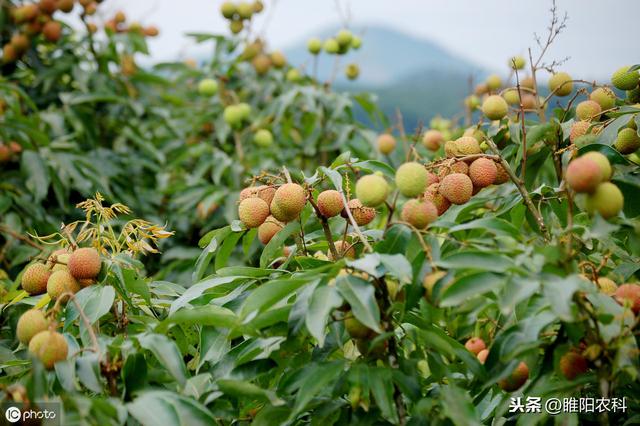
x=372, y=190
x=232, y=115
x=432, y=139
x=386, y=143
x=268, y=229
x=495, y=107
x=330, y=203
x=627, y=141
x=572, y=364
x=314, y=46
x=34, y=279
x=475, y=345
x=49, y=347
x=263, y=138
x=331, y=46
x=419, y=213
x=20, y=43
x=344, y=37
x=356, y=42
x=278, y=59
x=483, y=172
x=604, y=97
x=288, y=202
x=517, y=378
x=344, y=249
x=261, y=63
x=264, y=192
x=352, y=71
x=236, y=26
x=450, y=148
x=52, y=31
x=561, y=84
x=432, y=194
x=293, y=75
x=362, y=215
x=511, y=96
x=355, y=328
x=603, y=163
x=411, y=179
x=468, y=145
x=517, y=62
x=61, y=262
x=253, y=212
x=482, y=355
x=430, y=280
x=84, y=263
x=607, y=286
x=578, y=129
x=624, y=79
x=53, y=260
x=245, y=10
x=208, y=87
x=494, y=82
x=527, y=82
x=457, y=188
x=30, y=323
x=502, y=176
x=583, y=175
x=61, y=282
x=629, y=294
x=588, y=110
x=607, y=200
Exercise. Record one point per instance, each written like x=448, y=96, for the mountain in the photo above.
x=417, y=76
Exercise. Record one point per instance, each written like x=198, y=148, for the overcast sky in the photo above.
x=600, y=35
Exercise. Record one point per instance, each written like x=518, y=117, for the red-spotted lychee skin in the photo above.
x=588, y=110
x=330, y=203
x=583, y=175
x=475, y=345
x=572, y=364
x=457, y=167
x=468, y=145
x=483, y=172
x=579, y=128
x=268, y=229
x=432, y=139
x=419, y=213
x=629, y=294
x=34, y=279
x=456, y=188
x=432, y=178
x=361, y=214
x=516, y=379
x=264, y=192
x=84, y=263
x=288, y=202
x=253, y=212
x=502, y=176
x=432, y=194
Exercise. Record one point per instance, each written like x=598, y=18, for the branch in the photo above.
x=524, y=130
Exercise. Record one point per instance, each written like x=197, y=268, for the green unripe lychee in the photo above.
x=583, y=175
x=603, y=163
x=607, y=200
x=293, y=75
x=330, y=203
x=411, y=179
x=314, y=46
x=472, y=102
x=232, y=115
x=30, y=323
x=419, y=213
x=61, y=282
x=604, y=97
x=356, y=42
x=494, y=82
x=572, y=364
x=467, y=145
x=344, y=37
x=495, y=107
x=263, y=138
x=386, y=143
x=245, y=110
x=208, y=87
x=483, y=172
x=261, y=63
x=34, y=279
x=352, y=71
x=588, y=110
x=518, y=377
x=457, y=188
x=245, y=10
x=253, y=212
x=288, y=202
x=228, y=9
x=84, y=263
x=355, y=328
x=624, y=79
x=269, y=229
x=49, y=347
x=511, y=96
x=517, y=62
x=372, y=190
x=560, y=83
x=627, y=141
x=236, y=26
x=331, y=46
x=633, y=95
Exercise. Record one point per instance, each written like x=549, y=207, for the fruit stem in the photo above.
x=524, y=130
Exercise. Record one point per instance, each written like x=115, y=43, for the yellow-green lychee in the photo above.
x=511, y=96
x=61, y=282
x=34, y=278
x=261, y=63
x=411, y=179
x=588, y=110
x=30, y=323
x=253, y=212
x=607, y=286
x=561, y=84
x=263, y=138
x=430, y=280
x=624, y=79
x=494, y=82
x=245, y=10
x=516, y=62
x=355, y=328
x=604, y=97
x=278, y=60
x=467, y=145
x=331, y=46
x=386, y=143
x=49, y=347
x=495, y=107
x=419, y=213
x=607, y=200
x=228, y=9
x=372, y=190
x=352, y=71
x=627, y=141
x=344, y=37
x=62, y=260
x=314, y=46
x=457, y=188
x=330, y=203
x=483, y=172
x=293, y=75
x=236, y=26
x=583, y=174
x=84, y=263
x=288, y=202
x=356, y=42
x=603, y=163
x=232, y=115
x=208, y=87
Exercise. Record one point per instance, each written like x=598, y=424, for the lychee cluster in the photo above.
x=65, y=271
x=239, y=12
x=283, y=204
x=9, y=152
x=38, y=333
x=343, y=41
x=256, y=54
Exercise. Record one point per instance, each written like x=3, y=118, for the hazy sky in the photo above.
x=600, y=35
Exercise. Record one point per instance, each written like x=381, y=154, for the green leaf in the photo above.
x=36, y=172
x=242, y=389
x=209, y=252
x=360, y=295
x=95, y=301
x=469, y=286
x=157, y=407
x=317, y=380
x=274, y=246
x=167, y=353
x=323, y=301
x=271, y=293
x=458, y=406
x=381, y=385
x=482, y=261
x=212, y=315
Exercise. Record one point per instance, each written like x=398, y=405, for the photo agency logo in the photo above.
x=45, y=413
